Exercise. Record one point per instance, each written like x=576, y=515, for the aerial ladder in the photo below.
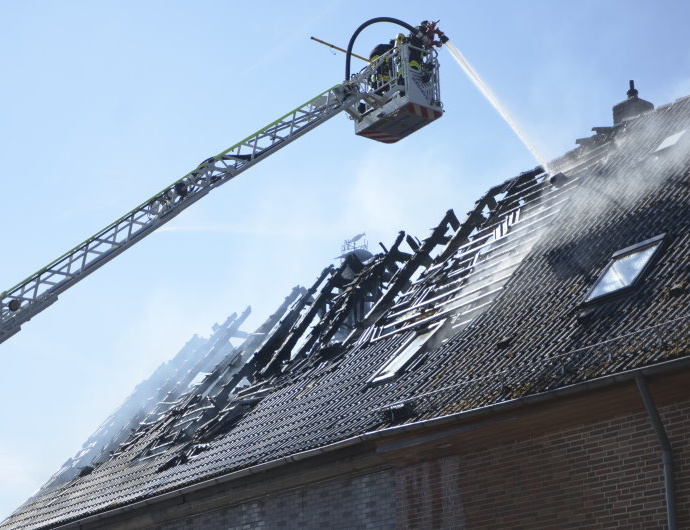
x=385, y=108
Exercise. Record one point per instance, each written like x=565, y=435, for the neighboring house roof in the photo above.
x=482, y=312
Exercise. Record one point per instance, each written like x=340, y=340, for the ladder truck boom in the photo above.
x=35, y=293
x=362, y=96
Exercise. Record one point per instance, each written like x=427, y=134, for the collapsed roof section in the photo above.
x=152, y=398
x=458, y=270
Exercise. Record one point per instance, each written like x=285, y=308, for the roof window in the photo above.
x=670, y=141
x=405, y=354
x=625, y=268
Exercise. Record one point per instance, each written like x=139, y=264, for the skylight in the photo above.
x=404, y=355
x=625, y=267
x=670, y=141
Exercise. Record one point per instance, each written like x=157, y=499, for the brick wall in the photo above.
x=606, y=474
x=430, y=495
x=365, y=501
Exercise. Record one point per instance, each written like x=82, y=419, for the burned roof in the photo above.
x=485, y=310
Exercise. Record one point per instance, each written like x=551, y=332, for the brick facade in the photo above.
x=604, y=474
x=365, y=501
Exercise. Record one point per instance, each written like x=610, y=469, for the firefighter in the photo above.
x=418, y=42
x=383, y=71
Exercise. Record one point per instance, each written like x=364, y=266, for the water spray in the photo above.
x=491, y=97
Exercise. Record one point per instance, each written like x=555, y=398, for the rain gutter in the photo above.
x=631, y=375
x=667, y=453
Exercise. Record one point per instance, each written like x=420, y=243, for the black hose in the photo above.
x=348, y=53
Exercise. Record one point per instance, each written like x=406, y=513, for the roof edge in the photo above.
x=601, y=382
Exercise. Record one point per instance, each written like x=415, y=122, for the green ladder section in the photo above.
x=38, y=291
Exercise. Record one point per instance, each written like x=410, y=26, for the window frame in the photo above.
x=381, y=375
x=657, y=242
x=671, y=141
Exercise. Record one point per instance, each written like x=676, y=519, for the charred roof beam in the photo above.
x=367, y=287
x=402, y=278
x=338, y=280
x=476, y=219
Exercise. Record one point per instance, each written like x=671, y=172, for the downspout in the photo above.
x=667, y=457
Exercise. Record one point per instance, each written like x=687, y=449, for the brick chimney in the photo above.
x=631, y=107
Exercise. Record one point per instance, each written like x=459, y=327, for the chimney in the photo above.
x=631, y=107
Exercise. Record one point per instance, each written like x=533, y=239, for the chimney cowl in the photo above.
x=631, y=107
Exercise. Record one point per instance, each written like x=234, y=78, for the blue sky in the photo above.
x=102, y=104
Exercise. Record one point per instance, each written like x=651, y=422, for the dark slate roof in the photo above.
x=503, y=290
